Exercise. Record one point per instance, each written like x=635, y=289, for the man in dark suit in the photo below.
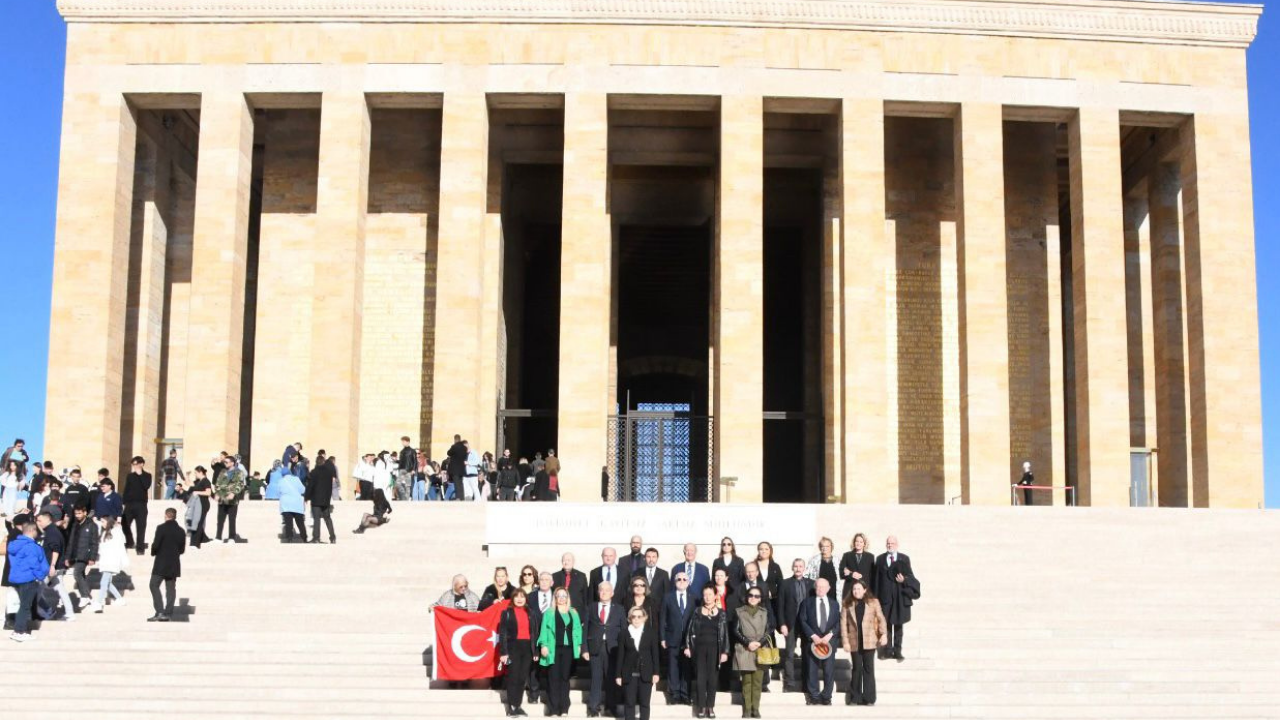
x=636, y=662
x=677, y=606
x=792, y=594
x=607, y=572
x=634, y=559
x=166, y=547
x=698, y=573
x=575, y=582
x=897, y=587
x=540, y=601
x=820, y=622
x=319, y=493
x=603, y=623
x=659, y=581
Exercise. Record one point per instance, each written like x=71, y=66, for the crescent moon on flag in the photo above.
x=457, y=643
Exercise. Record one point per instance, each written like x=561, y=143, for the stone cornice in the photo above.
x=1144, y=21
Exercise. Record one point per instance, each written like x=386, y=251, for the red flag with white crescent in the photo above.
x=467, y=643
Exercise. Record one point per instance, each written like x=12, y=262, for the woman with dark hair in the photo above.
x=500, y=589
x=199, y=493
x=528, y=580
x=515, y=648
x=706, y=643
x=751, y=627
x=640, y=598
x=10, y=481
x=729, y=560
x=863, y=629
x=857, y=564
x=559, y=645
x=113, y=558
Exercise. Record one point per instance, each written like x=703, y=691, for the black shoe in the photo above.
x=532, y=698
x=164, y=618
x=155, y=618
x=332, y=539
x=711, y=715
x=809, y=701
x=521, y=713
x=746, y=713
x=128, y=546
x=848, y=700
x=315, y=541
x=755, y=713
x=826, y=701
x=897, y=655
x=593, y=713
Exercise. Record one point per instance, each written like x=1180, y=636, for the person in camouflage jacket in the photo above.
x=227, y=489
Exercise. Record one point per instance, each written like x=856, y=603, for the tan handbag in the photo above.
x=767, y=653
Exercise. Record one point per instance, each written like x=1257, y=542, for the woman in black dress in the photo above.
x=857, y=564
x=706, y=643
x=640, y=598
x=732, y=564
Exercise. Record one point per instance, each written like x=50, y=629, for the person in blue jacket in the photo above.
x=27, y=567
x=272, y=491
x=291, y=506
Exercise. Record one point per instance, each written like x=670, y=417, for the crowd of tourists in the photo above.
x=631, y=627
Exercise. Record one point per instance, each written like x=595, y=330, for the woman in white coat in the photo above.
x=113, y=558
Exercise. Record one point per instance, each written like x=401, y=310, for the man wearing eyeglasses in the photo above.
x=677, y=606
x=604, y=623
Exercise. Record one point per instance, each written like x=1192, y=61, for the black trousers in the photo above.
x=895, y=639
x=862, y=683
x=226, y=512
x=164, y=606
x=135, y=512
x=823, y=671
x=793, y=669
x=1026, y=497
x=637, y=690
x=521, y=655
x=322, y=513
x=604, y=691
x=706, y=659
x=82, y=583
x=291, y=520
x=677, y=673
x=561, y=672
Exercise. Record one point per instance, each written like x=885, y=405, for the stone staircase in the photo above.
x=1026, y=613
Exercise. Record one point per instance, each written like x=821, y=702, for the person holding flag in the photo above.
x=559, y=644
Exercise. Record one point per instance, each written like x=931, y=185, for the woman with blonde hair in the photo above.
x=559, y=645
x=857, y=564
x=863, y=629
x=823, y=565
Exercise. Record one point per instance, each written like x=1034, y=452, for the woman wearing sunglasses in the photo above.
x=749, y=634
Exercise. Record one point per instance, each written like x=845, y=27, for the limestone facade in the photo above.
x=1026, y=234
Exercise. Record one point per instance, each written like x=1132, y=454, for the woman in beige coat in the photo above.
x=749, y=633
x=863, y=629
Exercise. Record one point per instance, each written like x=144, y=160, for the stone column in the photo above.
x=91, y=262
x=586, y=249
x=739, y=298
x=984, y=305
x=870, y=367
x=342, y=199
x=219, y=257
x=832, y=328
x=151, y=233
x=464, y=171
x=1167, y=313
x=1222, y=320
x=1097, y=279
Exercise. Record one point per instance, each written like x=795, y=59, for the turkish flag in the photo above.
x=467, y=643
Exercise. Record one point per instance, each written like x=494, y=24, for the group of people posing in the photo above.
x=629, y=623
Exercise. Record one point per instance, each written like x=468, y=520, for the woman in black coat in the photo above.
x=636, y=662
x=639, y=597
x=732, y=564
x=857, y=564
x=500, y=589
x=517, y=633
x=706, y=644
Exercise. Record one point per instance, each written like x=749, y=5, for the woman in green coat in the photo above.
x=559, y=642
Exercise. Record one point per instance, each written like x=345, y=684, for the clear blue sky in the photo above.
x=32, y=48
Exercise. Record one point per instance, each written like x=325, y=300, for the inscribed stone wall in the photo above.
x=1031, y=218
x=920, y=201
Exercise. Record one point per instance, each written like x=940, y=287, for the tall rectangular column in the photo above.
x=1097, y=280
x=870, y=364
x=219, y=257
x=984, y=305
x=464, y=172
x=146, y=302
x=1169, y=343
x=1222, y=310
x=342, y=198
x=739, y=298
x=91, y=261
x=586, y=249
